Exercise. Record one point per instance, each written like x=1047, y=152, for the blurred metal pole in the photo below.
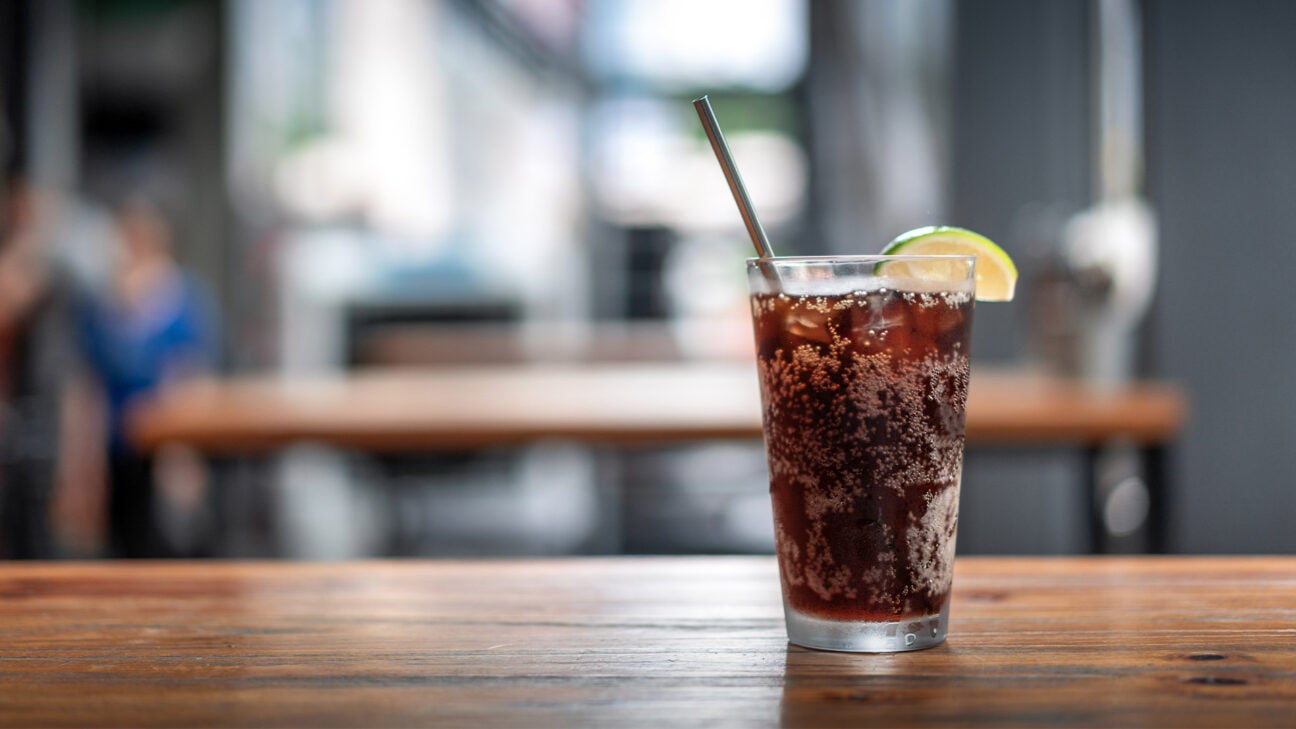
x=1117, y=238
x=1113, y=244
x=1119, y=101
x=53, y=141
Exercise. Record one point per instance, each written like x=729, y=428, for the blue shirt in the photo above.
x=132, y=350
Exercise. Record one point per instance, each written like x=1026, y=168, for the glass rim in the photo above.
x=864, y=258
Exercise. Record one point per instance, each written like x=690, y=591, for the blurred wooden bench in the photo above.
x=453, y=407
x=459, y=408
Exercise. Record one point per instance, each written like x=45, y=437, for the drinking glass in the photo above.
x=863, y=364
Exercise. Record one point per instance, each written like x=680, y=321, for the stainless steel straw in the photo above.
x=725, y=158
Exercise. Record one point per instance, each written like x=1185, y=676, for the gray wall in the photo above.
x=1020, y=137
x=1220, y=94
x=1222, y=172
x=1020, y=148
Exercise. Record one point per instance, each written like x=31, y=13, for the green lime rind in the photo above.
x=996, y=272
x=982, y=243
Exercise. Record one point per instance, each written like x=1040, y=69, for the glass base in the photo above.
x=864, y=636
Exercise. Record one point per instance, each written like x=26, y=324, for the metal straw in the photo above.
x=725, y=158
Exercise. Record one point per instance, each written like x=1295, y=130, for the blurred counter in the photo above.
x=456, y=407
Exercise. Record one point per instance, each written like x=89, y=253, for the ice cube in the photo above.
x=880, y=311
x=936, y=321
x=809, y=325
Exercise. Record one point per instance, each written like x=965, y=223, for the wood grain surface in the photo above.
x=1151, y=641
x=483, y=406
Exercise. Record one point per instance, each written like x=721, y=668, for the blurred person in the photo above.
x=152, y=326
x=35, y=369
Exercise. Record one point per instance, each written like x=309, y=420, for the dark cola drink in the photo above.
x=864, y=394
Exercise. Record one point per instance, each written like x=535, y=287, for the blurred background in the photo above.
x=196, y=188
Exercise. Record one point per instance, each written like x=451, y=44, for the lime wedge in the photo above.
x=996, y=276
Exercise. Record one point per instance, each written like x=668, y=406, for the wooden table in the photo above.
x=1153, y=641
x=468, y=407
